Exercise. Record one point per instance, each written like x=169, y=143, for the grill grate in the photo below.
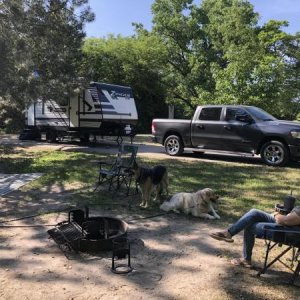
x=71, y=231
x=67, y=234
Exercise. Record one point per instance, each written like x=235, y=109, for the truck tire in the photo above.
x=274, y=153
x=173, y=145
x=51, y=136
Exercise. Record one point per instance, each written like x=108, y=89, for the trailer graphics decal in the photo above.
x=57, y=109
x=100, y=103
x=103, y=97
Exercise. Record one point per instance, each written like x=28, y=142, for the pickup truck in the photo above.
x=234, y=128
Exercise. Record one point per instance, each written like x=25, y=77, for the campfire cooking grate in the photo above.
x=94, y=234
x=68, y=234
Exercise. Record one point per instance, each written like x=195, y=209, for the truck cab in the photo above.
x=227, y=128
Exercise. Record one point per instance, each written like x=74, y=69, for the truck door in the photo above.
x=206, y=130
x=239, y=130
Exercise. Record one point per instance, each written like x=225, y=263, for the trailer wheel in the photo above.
x=51, y=136
x=85, y=138
x=173, y=145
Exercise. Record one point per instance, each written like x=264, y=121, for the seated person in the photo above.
x=253, y=223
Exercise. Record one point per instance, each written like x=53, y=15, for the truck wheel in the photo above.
x=51, y=136
x=274, y=153
x=173, y=145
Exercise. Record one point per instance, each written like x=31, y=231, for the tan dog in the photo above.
x=149, y=179
x=198, y=204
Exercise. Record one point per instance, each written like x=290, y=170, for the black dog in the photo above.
x=150, y=178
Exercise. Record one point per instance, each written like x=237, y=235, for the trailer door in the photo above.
x=74, y=111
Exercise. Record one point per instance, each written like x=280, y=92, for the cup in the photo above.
x=289, y=203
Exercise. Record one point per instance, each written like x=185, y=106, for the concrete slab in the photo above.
x=12, y=182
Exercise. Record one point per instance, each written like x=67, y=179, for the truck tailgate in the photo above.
x=162, y=127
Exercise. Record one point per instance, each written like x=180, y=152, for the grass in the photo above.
x=58, y=166
x=241, y=186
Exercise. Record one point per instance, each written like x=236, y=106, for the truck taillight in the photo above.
x=153, y=128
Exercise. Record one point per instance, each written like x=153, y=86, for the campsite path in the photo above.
x=146, y=148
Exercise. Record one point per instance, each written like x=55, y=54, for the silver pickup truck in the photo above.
x=234, y=128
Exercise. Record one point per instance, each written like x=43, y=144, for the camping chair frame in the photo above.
x=278, y=236
x=118, y=173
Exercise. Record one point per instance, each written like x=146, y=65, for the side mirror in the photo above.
x=244, y=118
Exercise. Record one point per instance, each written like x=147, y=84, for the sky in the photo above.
x=116, y=16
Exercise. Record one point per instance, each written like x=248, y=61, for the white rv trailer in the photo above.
x=102, y=109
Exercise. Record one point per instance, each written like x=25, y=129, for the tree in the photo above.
x=292, y=75
x=40, y=48
x=254, y=68
x=13, y=74
x=230, y=29
x=10, y=42
x=56, y=35
x=188, y=76
x=217, y=53
x=135, y=61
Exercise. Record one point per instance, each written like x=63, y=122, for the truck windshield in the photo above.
x=260, y=115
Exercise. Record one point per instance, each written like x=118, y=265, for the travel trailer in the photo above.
x=102, y=109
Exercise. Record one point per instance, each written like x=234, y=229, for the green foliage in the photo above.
x=56, y=53
x=135, y=61
x=217, y=53
x=11, y=117
x=10, y=45
x=188, y=75
x=40, y=48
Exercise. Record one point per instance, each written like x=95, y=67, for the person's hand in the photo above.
x=277, y=217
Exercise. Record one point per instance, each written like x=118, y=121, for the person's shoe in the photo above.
x=221, y=236
x=241, y=262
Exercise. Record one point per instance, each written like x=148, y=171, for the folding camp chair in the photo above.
x=118, y=174
x=276, y=236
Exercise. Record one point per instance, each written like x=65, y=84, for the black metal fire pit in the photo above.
x=83, y=233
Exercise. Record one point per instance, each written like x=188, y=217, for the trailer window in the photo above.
x=210, y=114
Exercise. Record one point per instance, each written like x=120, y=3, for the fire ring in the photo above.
x=88, y=234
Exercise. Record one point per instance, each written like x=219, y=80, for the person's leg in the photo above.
x=250, y=233
x=252, y=223
x=247, y=220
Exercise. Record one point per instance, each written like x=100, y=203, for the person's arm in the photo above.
x=292, y=219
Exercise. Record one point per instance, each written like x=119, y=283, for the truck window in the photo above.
x=210, y=114
x=260, y=114
x=232, y=112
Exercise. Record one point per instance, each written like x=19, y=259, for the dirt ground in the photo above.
x=172, y=257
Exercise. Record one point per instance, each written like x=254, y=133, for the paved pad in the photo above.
x=11, y=182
